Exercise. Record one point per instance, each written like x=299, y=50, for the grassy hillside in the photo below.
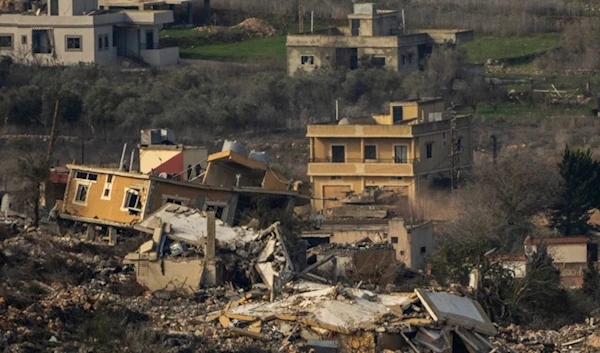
x=515, y=48
x=267, y=48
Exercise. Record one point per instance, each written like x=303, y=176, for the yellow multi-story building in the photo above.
x=407, y=150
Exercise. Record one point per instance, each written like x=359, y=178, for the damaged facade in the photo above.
x=71, y=32
x=404, y=152
x=114, y=198
x=372, y=34
x=411, y=244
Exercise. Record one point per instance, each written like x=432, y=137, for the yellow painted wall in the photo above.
x=192, y=193
x=357, y=184
x=105, y=209
x=152, y=158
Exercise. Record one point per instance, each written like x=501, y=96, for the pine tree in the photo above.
x=578, y=194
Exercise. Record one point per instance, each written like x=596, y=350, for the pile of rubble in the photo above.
x=255, y=27
x=365, y=244
x=581, y=338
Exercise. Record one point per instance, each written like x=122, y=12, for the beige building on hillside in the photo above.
x=406, y=151
x=374, y=37
x=76, y=31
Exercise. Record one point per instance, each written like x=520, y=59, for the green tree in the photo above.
x=578, y=193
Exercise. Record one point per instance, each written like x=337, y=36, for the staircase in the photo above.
x=132, y=57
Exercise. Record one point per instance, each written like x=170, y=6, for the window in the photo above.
x=444, y=140
x=86, y=176
x=371, y=152
x=402, y=252
x=81, y=194
x=23, y=40
x=338, y=154
x=429, y=150
x=423, y=250
x=403, y=60
x=107, y=188
x=410, y=58
x=6, y=41
x=73, y=43
x=335, y=177
x=175, y=201
x=378, y=62
x=396, y=178
x=40, y=41
x=106, y=44
x=132, y=202
x=307, y=60
x=394, y=240
x=459, y=145
x=397, y=113
x=100, y=43
x=400, y=154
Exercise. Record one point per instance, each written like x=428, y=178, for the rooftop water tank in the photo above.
x=259, y=156
x=234, y=146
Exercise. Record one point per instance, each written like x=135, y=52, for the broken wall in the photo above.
x=99, y=207
x=169, y=274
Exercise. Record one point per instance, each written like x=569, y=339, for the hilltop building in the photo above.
x=373, y=34
x=75, y=31
x=405, y=152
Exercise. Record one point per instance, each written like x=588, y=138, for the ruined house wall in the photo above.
x=567, y=253
x=105, y=208
x=193, y=196
x=421, y=245
x=323, y=58
x=400, y=241
x=184, y=274
x=152, y=158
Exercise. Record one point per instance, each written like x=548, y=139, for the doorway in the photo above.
x=150, y=40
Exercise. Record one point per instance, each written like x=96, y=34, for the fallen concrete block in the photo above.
x=247, y=333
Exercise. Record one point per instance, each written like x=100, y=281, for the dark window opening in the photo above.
x=429, y=150
x=397, y=114
x=394, y=240
x=378, y=62
x=335, y=177
x=81, y=195
x=218, y=210
x=355, y=27
x=175, y=201
x=459, y=145
x=307, y=60
x=6, y=41
x=23, y=40
x=371, y=152
x=74, y=43
x=149, y=40
x=40, y=40
x=86, y=176
x=338, y=154
x=423, y=249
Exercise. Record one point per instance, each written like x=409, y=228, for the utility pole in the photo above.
x=454, y=153
x=494, y=148
x=300, y=17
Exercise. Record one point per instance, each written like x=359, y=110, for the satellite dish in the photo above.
x=162, y=175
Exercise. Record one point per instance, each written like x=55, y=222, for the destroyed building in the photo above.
x=373, y=34
x=412, y=244
x=189, y=249
x=115, y=198
x=404, y=152
x=160, y=155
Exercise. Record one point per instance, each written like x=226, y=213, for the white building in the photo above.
x=76, y=31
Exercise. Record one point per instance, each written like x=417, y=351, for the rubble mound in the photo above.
x=255, y=26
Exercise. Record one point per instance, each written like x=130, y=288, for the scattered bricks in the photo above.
x=255, y=335
x=239, y=317
x=224, y=321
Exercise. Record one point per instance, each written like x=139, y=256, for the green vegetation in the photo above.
x=524, y=111
x=518, y=48
x=266, y=48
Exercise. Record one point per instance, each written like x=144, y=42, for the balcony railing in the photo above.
x=397, y=160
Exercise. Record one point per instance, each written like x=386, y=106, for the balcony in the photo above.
x=359, y=131
x=160, y=57
x=359, y=167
